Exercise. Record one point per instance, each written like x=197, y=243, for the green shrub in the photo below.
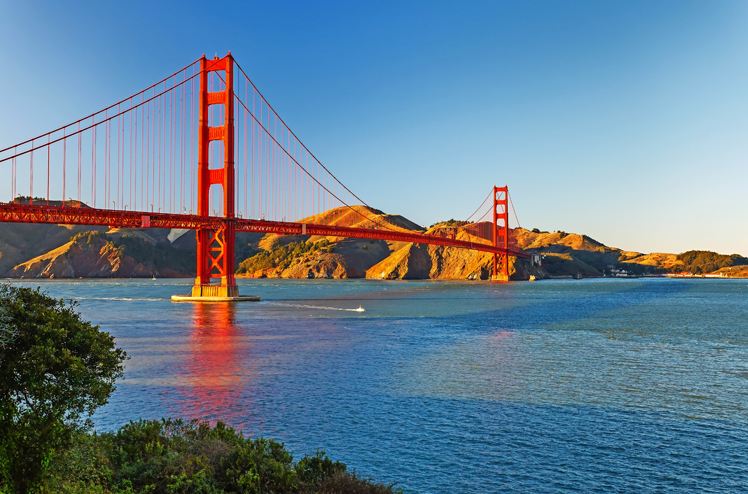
x=172, y=456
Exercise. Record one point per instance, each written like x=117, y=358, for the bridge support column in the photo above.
x=500, y=233
x=215, y=248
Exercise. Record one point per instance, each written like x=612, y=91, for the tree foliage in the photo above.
x=171, y=456
x=55, y=370
x=450, y=223
x=703, y=261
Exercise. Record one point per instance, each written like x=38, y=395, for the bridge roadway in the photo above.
x=24, y=213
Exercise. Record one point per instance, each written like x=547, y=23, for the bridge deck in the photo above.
x=18, y=213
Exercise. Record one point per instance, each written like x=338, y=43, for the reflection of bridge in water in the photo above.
x=216, y=370
x=202, y=149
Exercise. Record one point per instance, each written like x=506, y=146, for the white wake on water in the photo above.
x=319, y=307
x=122, y=299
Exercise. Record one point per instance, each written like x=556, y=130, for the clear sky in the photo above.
x=623, y=120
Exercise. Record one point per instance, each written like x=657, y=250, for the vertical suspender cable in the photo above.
x=160, y=150
x=13, y=174
x=142, y=149
x=107, y=157
x=172, y=136
x=31, y=174
x=47, y=169
x=252, y=188
x=181, y=148
x=93, y=178
x=122, y=169
x=134, y=170
x=80, y=150
x=260, y=167
x=275, y=166
x=118, y=151
x=246, y=161
x=148, y=187
x=192, y=141
x=93, y=162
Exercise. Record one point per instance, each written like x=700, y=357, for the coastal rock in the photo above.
x=322, y=266
x=411, y=262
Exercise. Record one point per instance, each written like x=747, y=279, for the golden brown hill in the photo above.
x=114, y=254
x=656, y=259
x=361, y=217
x=527, y=239
x=20, y=242
x=348, y=257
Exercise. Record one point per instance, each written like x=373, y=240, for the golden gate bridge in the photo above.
x=202, y=149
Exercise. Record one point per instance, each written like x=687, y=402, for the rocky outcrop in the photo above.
x=410, y=262
x=320, y=266
x=418, y=261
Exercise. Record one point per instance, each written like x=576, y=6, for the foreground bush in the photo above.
x=56, y=369
x=171, y=456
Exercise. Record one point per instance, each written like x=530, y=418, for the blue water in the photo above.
x=555, y=386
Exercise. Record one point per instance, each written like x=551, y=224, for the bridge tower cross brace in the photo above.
x=215, y=248
x=500, y=232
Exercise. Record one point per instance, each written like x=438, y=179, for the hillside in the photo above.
x=114, y=254
x=66, y=251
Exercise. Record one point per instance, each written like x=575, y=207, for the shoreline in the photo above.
x=445, y=280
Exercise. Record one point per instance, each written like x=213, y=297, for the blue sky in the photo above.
x=626, y=121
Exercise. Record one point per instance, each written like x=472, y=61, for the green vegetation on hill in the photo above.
x=703, y=261
x=281, y=256
x=171, y=456
x=27, y=199
x=449, y=223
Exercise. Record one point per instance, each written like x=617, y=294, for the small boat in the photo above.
x=154, y=277
x=360, y=309
x=532, y=277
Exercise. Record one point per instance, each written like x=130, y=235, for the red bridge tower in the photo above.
x=500, y=232
x=215, y=248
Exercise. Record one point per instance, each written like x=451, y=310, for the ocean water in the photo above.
x=556, y=386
